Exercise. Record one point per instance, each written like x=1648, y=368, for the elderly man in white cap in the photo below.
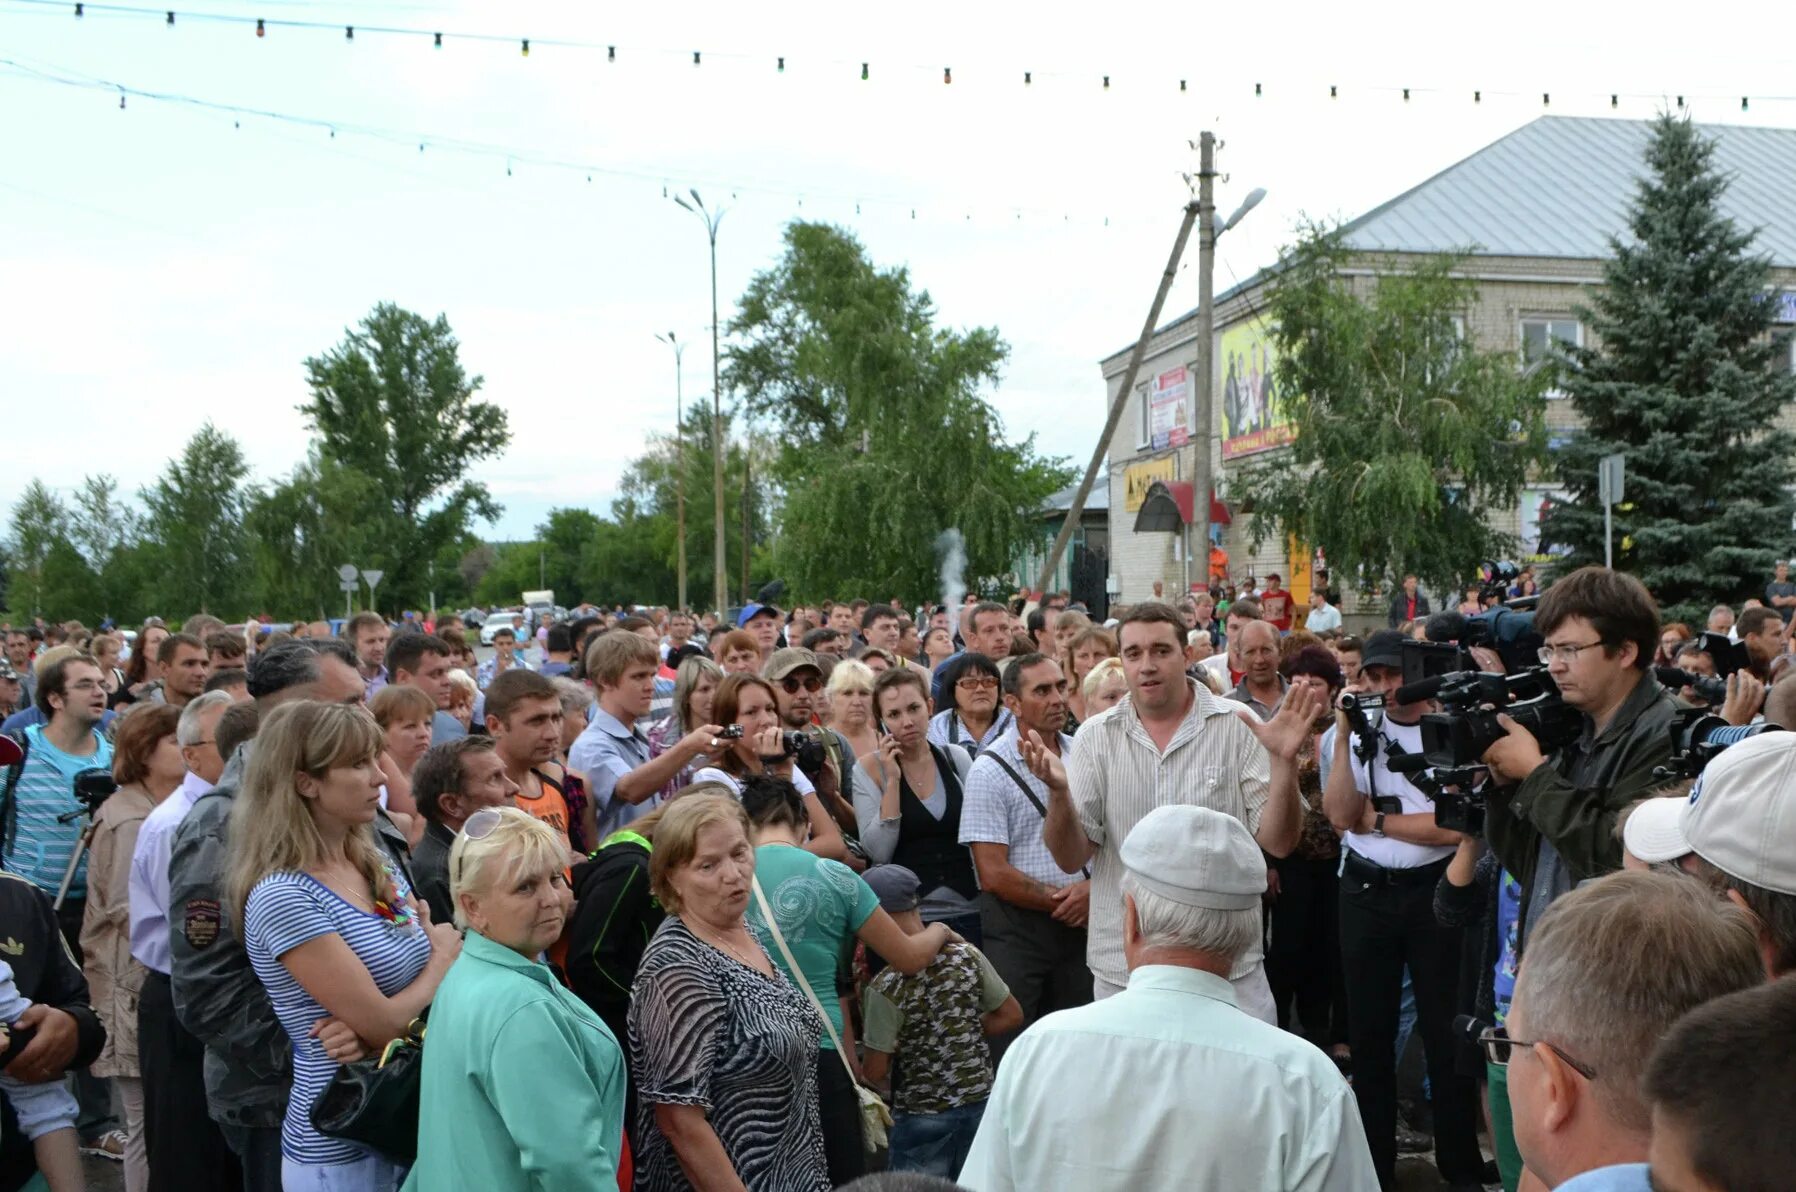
x=1169, y=1084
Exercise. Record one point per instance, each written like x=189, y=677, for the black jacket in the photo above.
x=614, y=916
x=1400, y=608
x=44, y=971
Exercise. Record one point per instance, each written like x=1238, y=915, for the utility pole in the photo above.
x=1117, y=404
x=679, y=452
x=1201, y=482
x=748, y=444
x=719, y=565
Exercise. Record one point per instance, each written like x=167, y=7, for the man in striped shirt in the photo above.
x=1170, y=741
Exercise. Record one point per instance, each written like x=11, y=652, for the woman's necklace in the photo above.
x=721, y=942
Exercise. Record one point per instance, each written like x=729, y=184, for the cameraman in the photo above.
x=798, y=688
x=1552, y=820
x=1393, y=857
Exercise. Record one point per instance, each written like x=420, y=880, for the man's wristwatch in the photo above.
x=1378, y=824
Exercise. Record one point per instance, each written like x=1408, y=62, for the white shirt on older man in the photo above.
x=1176, y=1088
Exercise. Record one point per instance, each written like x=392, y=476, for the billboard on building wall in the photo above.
x=1254, y=413
x=1534, y=548
x=1170, y=408
x=1138, y=478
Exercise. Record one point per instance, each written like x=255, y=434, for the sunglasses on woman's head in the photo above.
x=478, y=826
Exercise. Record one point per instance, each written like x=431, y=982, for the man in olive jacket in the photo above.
x=1551, y=820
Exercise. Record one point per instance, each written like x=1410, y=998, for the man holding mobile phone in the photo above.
x=1393, y=857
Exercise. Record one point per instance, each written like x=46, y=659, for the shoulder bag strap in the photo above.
x=797, y=974
x=1027, y=794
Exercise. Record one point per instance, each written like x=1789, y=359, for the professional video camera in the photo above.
x=1508, y=630
x=1710, y=689
x=1458, y=736
x=1698, y=735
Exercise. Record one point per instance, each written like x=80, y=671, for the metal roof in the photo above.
x=1098, y=499
x=1560, y=186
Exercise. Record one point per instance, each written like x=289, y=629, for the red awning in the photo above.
x=1167, y=505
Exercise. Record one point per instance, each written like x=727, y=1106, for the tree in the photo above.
x=393, y=403
x=1408, y=438
x=101, y=527
x=303, y=529
x=1686, y=381
x=194, y=517
x=883, y=437
x=39, y=523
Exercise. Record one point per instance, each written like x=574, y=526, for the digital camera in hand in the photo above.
x=807, y=752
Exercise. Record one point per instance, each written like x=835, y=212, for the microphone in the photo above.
x=1408, y=763
x=1421, y=689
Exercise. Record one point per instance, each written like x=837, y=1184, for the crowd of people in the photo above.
x=1005, y=896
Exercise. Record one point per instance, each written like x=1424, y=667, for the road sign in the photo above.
x=348, y=585
x=1609, y=479
x=347, y=573
x=373, y=578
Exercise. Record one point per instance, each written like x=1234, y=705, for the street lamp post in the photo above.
x=1207, y=233
x=719, y=578
x=679, y=450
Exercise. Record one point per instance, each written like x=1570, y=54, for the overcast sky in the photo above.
x=159, y=266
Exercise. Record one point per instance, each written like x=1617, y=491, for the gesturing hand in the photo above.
x=1284, y=735
x=1043, y=762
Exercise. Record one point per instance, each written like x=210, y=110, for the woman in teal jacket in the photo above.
x=523, y=1085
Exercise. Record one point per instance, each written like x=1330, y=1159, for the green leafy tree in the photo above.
x=102, y=528
x=39, y=522
x=1684, y=379
x=304, y=528
x=393, y=403
x=883, y=437
x=194, y=516
x=1409, y=439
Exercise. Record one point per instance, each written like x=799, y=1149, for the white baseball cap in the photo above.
x=1655, y=832
x=1741, y=815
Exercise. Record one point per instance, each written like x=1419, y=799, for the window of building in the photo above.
x=1144, y=435
x=1544, y=337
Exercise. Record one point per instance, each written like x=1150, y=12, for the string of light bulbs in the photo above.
x=849, y=67
x=669, y=183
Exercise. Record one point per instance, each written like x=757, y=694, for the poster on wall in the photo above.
x=1254, y=413
x=1170, y=409
x=1534, y=548
x=1138, y=478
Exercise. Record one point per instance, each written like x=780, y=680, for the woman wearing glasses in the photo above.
x=747, y=702
x=723, y=1047
x=972, y=720
x=523, y=1085
x=907, y=800
x=330, y=925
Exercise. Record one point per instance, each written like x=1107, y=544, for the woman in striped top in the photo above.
x=331, y=928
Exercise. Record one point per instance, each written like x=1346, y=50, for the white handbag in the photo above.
x=876, y=1119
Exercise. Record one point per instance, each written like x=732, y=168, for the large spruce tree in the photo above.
x=1684, y=377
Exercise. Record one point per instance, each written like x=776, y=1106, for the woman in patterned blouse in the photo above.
x=723, y=1047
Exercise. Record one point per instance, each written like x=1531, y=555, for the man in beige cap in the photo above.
x=1176, y=1086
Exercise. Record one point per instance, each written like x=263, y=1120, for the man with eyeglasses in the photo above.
x=1612, y=967
x=798, y=689
x=1552, y=820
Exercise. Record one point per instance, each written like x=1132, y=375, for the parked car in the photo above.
x=473, y=618
x=511, y=619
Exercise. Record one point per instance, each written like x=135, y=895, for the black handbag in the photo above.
x=374, y=1102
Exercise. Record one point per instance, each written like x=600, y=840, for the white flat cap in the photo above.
x=1196, y=856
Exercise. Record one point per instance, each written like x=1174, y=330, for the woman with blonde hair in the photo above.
x=330, y=926
x=723, y=1047
x=695, y=684
x=1086, y=649
x=850, y=691
x=1104, y=687
x=523, y=1085
x=106, y=648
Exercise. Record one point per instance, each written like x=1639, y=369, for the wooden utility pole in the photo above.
x=1201, y=482
x=1073, y=514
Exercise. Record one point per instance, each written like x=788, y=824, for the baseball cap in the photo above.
x=1384, y=648
x=751, y=610
x=1196, y=856
x=1740, y=817
x=1654, y=831
x=784, y=662
x=896, y=886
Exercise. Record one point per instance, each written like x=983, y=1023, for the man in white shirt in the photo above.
x=1393, y=856
x=1324, y=617
x=1169, y=1084
x=1169, y=741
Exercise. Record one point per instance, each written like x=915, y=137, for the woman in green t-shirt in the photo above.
x=822, y=907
